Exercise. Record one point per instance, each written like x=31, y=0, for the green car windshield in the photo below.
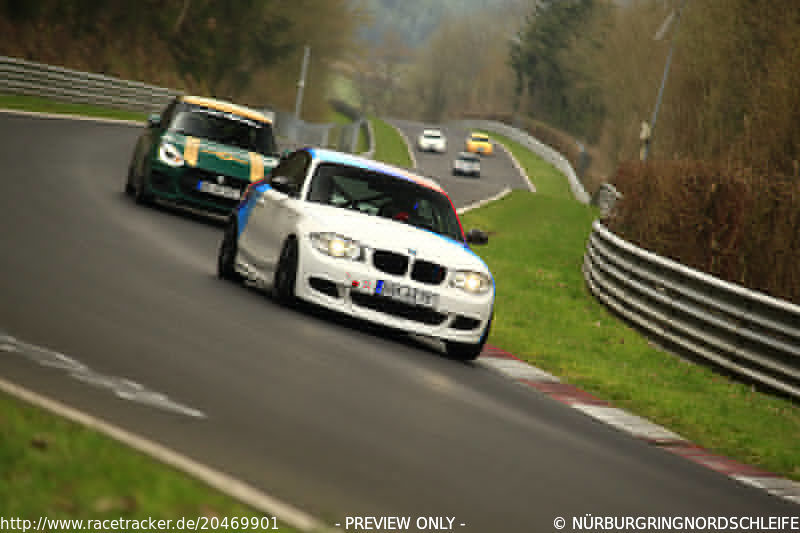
x=225, y=128
x=379, y=194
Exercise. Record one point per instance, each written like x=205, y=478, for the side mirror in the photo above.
x=154, y=121
x=282, y=184
x=477, y=237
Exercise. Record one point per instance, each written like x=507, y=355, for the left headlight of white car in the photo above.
x=471, y=282
x=336, y=245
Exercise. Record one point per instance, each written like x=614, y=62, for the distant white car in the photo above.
x=432, y=140
x=369, y=240
x=468, y=164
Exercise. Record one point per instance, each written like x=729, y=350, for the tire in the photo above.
x=226, y=259
x=129, y=190
x=283, y=285
x=140, y=194
x=467, y=352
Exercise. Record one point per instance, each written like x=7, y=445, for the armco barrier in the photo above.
x=744, y=331
x=18, y=76
x=542, y=150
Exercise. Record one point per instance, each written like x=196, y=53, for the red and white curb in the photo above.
x=525, y=374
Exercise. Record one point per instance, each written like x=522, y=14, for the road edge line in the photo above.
x=68, y=116
x=229, y=485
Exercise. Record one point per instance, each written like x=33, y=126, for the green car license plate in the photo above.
x=215, y=189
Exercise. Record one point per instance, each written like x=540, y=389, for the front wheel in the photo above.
x=468, y=352
x=129, y=189
x=140, y=192
x=283, y=286
x=226, y=259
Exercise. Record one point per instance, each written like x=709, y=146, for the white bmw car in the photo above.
x=432, y=140
x=366, y=239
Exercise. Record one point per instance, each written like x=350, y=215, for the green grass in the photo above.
x=42, y=105
x=548, y=180
x=389, y=146
x=52, y=467
x=545, y=315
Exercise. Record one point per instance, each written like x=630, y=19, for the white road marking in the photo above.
x=783, y=488
x=517, y=369
x=65, y=116
x=632, y=424
x=232, y=487
x=121, y=387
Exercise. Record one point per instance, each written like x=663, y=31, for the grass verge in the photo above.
x=389, y=146
x=43, y=105
x=52, y=467
x=545, y=315
x=548, y=180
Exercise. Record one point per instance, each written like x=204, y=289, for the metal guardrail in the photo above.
x=743, y=331
x=18, y=76
x=534, y=145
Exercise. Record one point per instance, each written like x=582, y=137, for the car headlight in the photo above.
x=170, y=155
x=336, y=245
x=472, y=282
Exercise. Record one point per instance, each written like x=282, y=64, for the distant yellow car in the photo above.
x=479, y=143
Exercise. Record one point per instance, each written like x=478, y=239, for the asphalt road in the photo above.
x=497, y=171
x=335, y=417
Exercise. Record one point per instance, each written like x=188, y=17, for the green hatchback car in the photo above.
x=201, y=153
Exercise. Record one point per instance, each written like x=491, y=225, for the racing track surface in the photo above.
x=335, y=417
x=497, y=171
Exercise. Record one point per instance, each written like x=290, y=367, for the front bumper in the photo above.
x=329, y=282
x=180, y=186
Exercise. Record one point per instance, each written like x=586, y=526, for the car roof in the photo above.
x=227, y=107
x=479, y=134
x=431, y=131
x=331, y=156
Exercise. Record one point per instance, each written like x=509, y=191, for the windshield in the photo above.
x=225, y=128
x=480, y=138
x=386, y=196
x=432, y=134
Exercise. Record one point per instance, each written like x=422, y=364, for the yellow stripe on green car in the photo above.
x=256, y=166
x=190, y=151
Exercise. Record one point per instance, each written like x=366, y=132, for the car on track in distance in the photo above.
x=366, y=239
x=467, y=164
x=201, y=153
x=479, y=143
x=432, y=140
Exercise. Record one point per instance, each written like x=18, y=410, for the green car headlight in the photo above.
x=170, y=155
x=336, y=245
x=472, y=282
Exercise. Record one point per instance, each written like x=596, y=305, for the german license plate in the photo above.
x=215, y=189
x=405, y=294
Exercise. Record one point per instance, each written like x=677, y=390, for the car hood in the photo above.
x=222, y=158
x=385, y=234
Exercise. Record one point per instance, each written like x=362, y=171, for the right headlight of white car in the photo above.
x=336, y=245
x=471, y=282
